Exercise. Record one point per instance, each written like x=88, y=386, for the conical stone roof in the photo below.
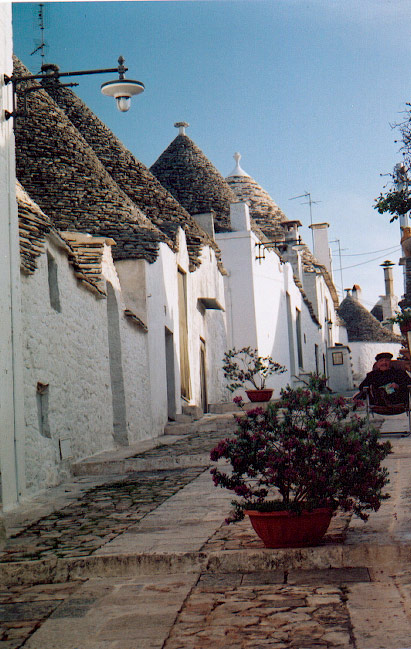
x=362, y=326
x=269, y=217
x=265, y=212
x=64, y=177
x=131, y=175
x=194, y=182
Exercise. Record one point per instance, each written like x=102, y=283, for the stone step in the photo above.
x=131, y=465
x=240, y=561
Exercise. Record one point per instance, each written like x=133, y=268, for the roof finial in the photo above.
x=181, y=127
x=237, y=171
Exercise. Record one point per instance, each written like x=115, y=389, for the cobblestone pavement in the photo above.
x=366, y=607
x=101, y=514
x=198, y=443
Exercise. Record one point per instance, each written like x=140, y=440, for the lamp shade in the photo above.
x=122, y=88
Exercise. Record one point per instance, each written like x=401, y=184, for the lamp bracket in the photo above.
x=50, y=72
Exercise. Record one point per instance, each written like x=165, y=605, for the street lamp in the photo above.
x=121, y=89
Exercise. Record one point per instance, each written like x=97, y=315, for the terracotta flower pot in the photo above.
x=289, y=530
x=260, y=395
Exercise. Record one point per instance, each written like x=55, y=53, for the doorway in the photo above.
x=203, y=376
x=170, y=375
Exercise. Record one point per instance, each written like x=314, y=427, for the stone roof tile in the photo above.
x=361, y=325
x=265, y=212
x=84, y=251
x=194, y=182
x=132, y=176
x=64, y=177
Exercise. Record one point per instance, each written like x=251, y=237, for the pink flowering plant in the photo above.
x=307, y=450
x=241, y=366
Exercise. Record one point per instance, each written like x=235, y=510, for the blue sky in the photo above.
x=305, y=90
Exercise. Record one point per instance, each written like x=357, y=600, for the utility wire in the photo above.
x=361, y=254
x=364, y=262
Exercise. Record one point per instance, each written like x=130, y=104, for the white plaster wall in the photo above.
x=208, y=324
x=134, y=355
x=68, y=351
x=363, y=357
x=257, y=305
x=237, y=250
x=162, y=311
x=158, y=299
x=11, y=365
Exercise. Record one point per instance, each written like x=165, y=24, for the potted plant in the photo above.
x=296, y=462
x=403, y=319
x=244, y=366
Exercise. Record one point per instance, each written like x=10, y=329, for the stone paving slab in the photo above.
x=245, y=611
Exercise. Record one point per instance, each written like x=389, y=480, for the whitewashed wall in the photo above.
x=256, y=299
x=133, y=357
x=363, y=357
x=152, y=291
x=69, y=352
x=209, y=324
x=11, y=365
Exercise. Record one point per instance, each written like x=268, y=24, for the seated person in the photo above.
x=388, y=386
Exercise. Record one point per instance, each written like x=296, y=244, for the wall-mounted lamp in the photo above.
x=121, y=89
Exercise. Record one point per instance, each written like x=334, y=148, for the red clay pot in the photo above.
x=260, y=395
x=289, y=530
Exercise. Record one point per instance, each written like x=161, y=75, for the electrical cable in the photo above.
x=360, y=254
x=364, y=262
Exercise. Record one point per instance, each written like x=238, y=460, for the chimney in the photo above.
x=291, y=249
x=321, y=247
x=206, y=222
x=239, y=217
x=388, y=278
x=356, y=292
x=389, y=301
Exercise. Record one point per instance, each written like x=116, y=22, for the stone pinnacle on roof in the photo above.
x=238, y=171
x=181, y=127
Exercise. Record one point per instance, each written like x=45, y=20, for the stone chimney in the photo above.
x=356, y=292
x=291, y=249
x=389, y=301
x=321, y=247
x=206, y=222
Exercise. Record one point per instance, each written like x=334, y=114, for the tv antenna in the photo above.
x=42, y=44
x=310, y=202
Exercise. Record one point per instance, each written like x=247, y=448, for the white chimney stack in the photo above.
x=321, y=246
x=239, y=217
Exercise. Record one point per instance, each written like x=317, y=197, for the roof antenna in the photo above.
x=310, y=202
x=42, y=45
